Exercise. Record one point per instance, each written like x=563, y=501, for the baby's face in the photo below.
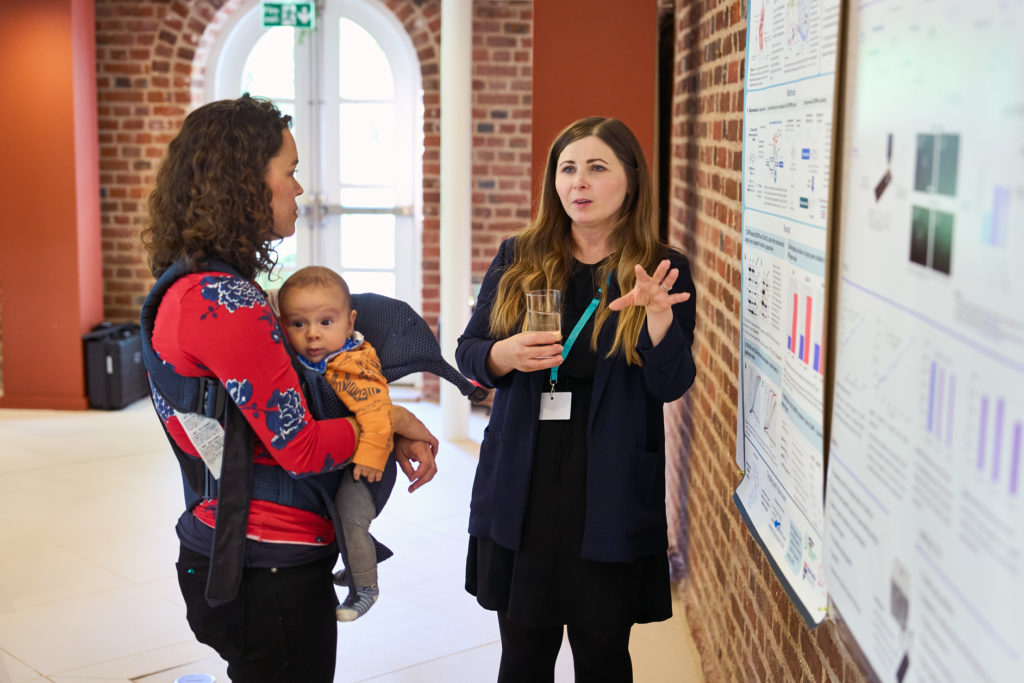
x=317, y=320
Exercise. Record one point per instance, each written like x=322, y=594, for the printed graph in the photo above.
x=805, y=340
x=757, y=288
x=774, y=161
x=941, y=402
x=763, y=406
x=996, y=220
x=999, y=443
x=798, y=22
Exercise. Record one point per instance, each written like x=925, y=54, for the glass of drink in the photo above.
x=544, y=310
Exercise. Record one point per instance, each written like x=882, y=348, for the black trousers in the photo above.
x=528, y=653
x=281, y=628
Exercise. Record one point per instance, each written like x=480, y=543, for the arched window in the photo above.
x=353, y=87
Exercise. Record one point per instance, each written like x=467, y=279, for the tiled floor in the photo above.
x=87, y=589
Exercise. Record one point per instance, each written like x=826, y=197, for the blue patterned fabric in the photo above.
x=289, y=418
x=163, y=408
x=232, y=293
x=240, y=391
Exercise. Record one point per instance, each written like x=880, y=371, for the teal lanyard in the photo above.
x=576, y=332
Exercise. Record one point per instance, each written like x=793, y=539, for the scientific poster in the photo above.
x=787, y=150
x=924, y=545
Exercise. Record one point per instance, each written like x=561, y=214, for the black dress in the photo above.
x=546, y=582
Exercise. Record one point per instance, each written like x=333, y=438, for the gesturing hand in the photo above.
x=652, y=291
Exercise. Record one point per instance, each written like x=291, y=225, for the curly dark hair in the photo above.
x=210, y=200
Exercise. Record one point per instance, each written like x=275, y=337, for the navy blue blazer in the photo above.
x=625, y=515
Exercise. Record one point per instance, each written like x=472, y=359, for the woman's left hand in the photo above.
x=404, y=423
x=652, y=291
x=415, y=447
x=417, y=460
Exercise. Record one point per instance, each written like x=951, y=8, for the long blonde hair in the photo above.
x=544, y=248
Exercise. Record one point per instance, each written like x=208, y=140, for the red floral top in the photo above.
x=218, y=325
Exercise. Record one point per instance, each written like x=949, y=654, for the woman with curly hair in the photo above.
x=225, y=192
x=567, y=518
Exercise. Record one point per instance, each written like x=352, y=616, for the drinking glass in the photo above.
x=544, y=310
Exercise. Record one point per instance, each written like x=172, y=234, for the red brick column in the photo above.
x=502, y=108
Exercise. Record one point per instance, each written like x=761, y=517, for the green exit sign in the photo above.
x=294, y=14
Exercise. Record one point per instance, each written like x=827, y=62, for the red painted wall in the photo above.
x=50, y=262
x=593, y=57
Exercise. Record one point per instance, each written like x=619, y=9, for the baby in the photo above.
x=316, y=311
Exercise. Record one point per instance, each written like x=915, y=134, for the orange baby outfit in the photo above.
x=356, y=378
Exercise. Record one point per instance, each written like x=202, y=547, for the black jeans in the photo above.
x=280, y=628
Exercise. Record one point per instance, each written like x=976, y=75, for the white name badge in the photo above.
x=556, y=405
x=207, y=436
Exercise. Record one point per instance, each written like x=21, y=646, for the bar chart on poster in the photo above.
x=787, y=153
x=807, y=315
x=924, y=547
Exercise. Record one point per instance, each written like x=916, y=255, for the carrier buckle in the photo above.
x=212, y=398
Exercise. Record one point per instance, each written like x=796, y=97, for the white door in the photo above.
x=352, y=85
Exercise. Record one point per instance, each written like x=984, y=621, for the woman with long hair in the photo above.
x=255, y=561
x=567, y=518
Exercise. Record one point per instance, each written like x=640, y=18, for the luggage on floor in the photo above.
x=115, y=374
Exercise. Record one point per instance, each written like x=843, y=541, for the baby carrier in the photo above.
x=404, y=344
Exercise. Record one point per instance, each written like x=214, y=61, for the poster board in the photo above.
x=924, y=545
x=787, y=153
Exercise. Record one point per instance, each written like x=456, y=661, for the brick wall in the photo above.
x=744, y=625
x=144, y=54
x=151, y=57
x=502, y=114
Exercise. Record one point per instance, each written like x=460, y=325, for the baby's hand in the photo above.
x=372, y=474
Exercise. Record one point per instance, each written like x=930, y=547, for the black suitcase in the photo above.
x=115, y=374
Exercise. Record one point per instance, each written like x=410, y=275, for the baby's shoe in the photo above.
x=357, y=603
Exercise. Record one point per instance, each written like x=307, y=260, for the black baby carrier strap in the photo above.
x=208, y=398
